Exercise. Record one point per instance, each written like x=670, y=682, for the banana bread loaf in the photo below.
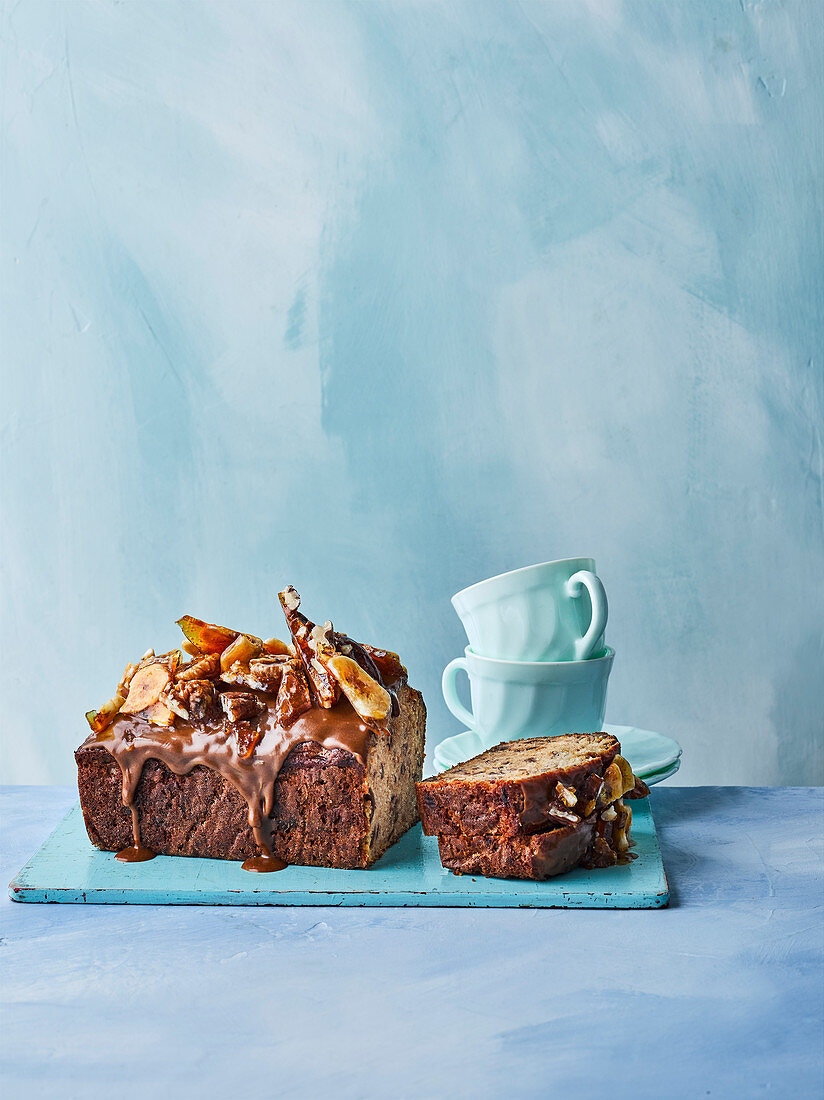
x=259, y=751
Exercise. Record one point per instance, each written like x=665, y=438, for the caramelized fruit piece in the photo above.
x=239, y=652
x=101, y=719
x=201, y=668
x=314, y=647
x=387, y=663
x=370, y=699
x=293, y=695
x=278, y=648
x=248, y=738
x=145, y=688
x=206, y=636
x=159, y=714
x=192, y=650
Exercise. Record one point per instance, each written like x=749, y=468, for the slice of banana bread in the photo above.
x=593, y=842
x=522, y=787
x=533, y=808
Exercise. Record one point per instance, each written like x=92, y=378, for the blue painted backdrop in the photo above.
x=380, y=299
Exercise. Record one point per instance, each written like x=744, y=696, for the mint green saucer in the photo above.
x=653, y=756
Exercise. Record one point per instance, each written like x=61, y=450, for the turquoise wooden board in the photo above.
x=68, y=869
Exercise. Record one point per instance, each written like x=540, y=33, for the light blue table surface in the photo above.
x=720, y=995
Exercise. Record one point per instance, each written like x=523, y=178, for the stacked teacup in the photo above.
x=536, y=660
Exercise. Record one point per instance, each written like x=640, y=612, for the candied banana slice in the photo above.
x=370, y=699
x=145, y=688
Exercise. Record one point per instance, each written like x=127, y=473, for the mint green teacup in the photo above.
x=555, y=611
x=515, y=699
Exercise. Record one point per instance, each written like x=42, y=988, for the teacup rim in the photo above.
x=607, y=654
x=519, y=572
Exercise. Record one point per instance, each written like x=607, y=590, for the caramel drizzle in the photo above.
x=132, y=740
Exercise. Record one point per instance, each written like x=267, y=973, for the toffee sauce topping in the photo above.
x=132, y=740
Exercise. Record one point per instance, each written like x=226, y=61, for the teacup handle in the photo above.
x=598, y=598
x=450, y=694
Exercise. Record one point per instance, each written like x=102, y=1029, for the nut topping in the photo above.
x=265, y=673
x=293, y=695
x=566, y=794
x=201, y=668
x=370, y=699
x=290, y=598
x=190, y=699
x=314, y=669
x=240, y=706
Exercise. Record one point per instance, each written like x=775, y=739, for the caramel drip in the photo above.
x=132, y=741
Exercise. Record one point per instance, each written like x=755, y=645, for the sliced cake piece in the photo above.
x=600, y=840
x=523, y=787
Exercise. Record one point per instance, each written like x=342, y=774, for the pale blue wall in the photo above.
x=379, y=299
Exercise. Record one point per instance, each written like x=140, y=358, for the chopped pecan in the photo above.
x=190, y=699
x=240, y=706
x=566, y=794
x=293, y=695
x=206, y=667
x=265, y=673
